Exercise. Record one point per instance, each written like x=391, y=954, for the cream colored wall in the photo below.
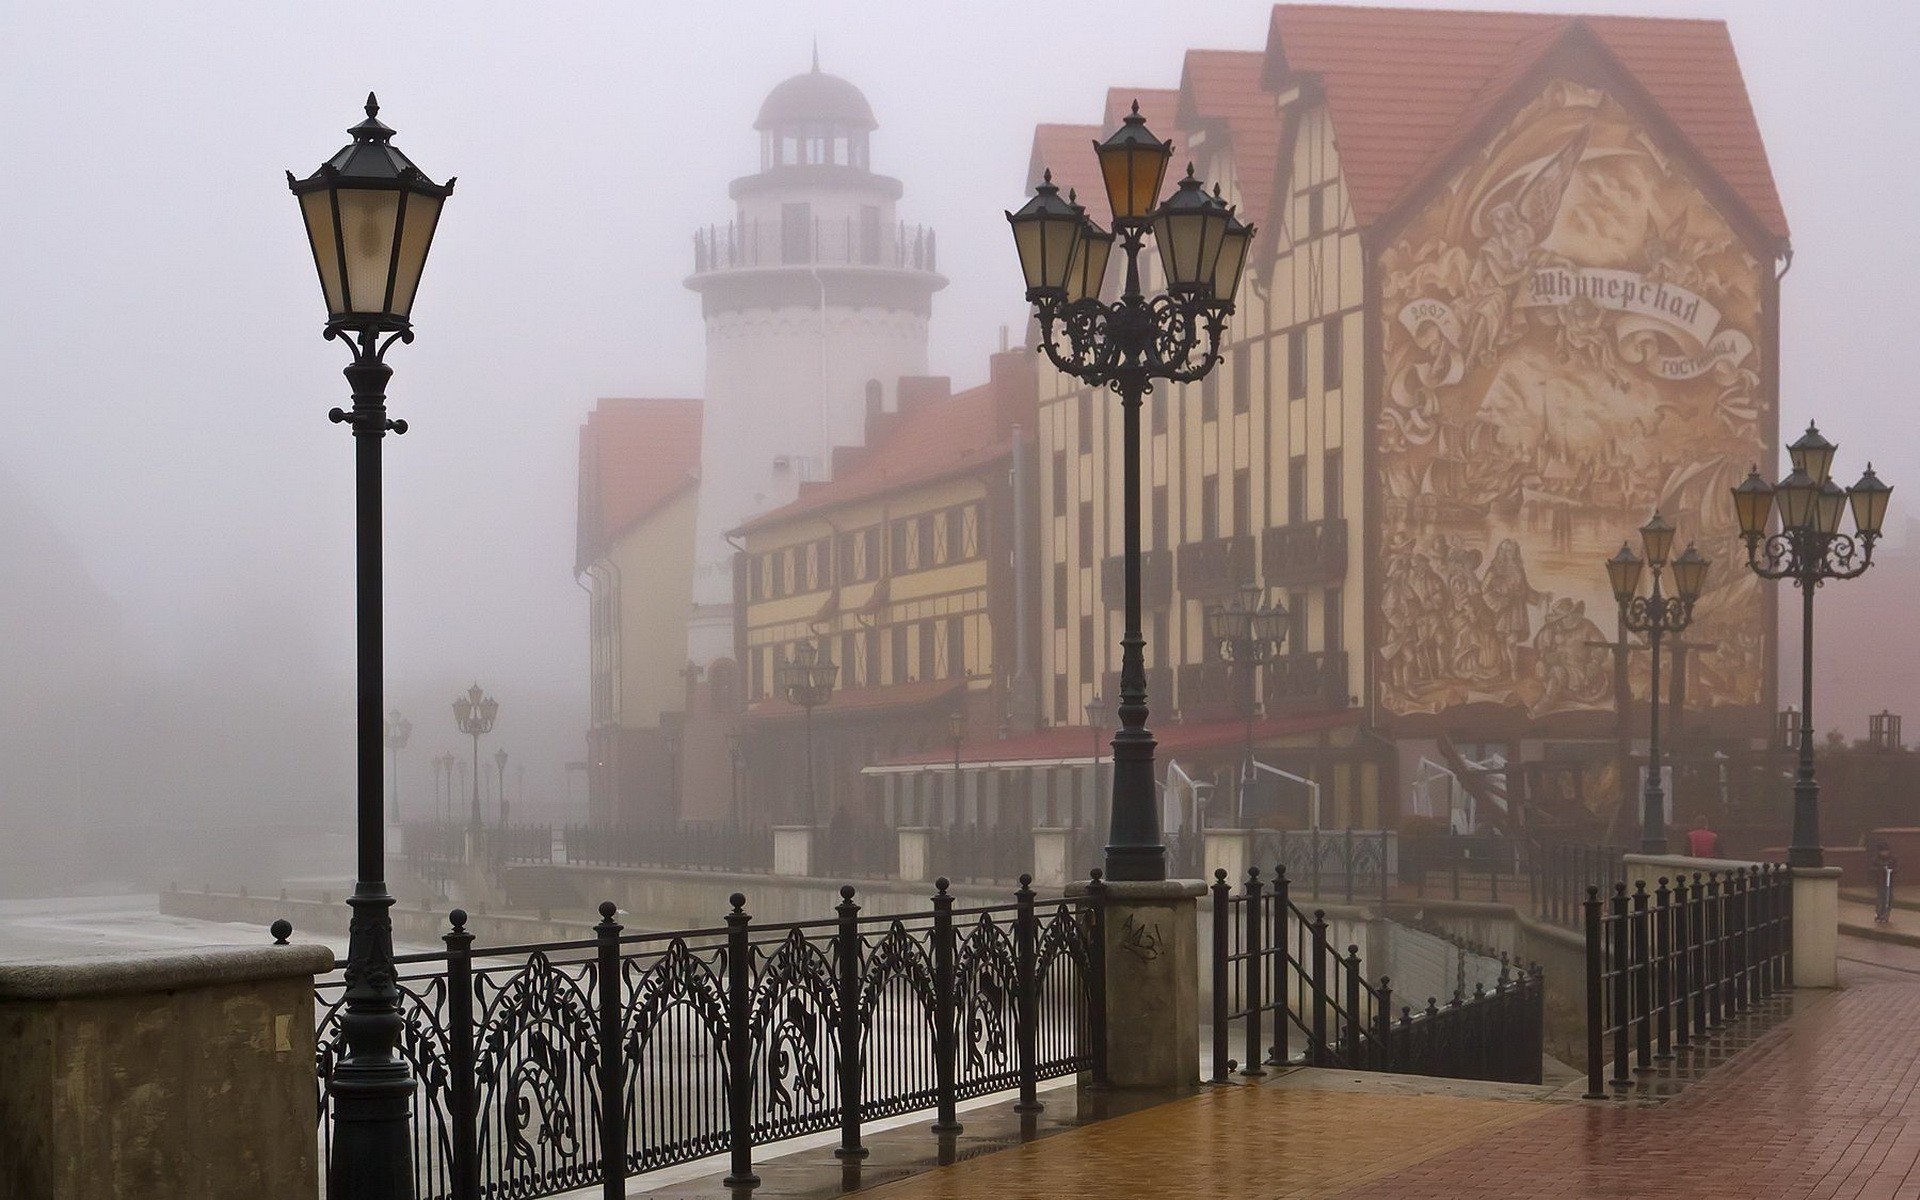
x=652, y=569
x=1308, y=279
x=954, y=588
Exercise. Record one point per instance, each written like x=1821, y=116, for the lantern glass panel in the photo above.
x=368, y=221
x=1813, y=453
x=1752, y=503
x=1828, y=507
x=1623, y=573
x=421, y=216
x=1794, y=498
x=1869, y=500
x=1690, y=573
x=1234, y=245
x=1091, y=257
x=317, y=208
x=1656, y=538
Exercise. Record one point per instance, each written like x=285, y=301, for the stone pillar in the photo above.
x=793, y=847
x=1153, y=983
x=160, y=1074
x=1816, y=926
x=1229, y=849
x=916, y=852
x=1050, y=848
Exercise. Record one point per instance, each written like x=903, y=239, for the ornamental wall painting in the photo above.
x=1571, y=337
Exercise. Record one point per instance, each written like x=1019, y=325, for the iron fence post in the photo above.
x=1317, y=1053
x=847, y=969
x=1027, y=983
x=463, y=1118
x=613, y=1098
x=739, y=1046
x=1222, y=920
x=1277, y=958
x=1383, y=1025
x=1353, y=1029
x=1642, y=981
x=1663, y=969
x=1097, y=987
x=1619, y=1022
x=1250, y=978
x=1716, y=949
x=1682, y=943
x=945, y=1013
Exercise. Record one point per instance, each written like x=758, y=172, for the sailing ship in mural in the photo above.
x=1571, y=339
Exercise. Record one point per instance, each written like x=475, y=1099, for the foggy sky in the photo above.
x=160, y=319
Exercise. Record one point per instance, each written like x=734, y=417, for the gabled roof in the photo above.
x=934, y=438
x=1067, y=150
x=1406, y=87
x=635, y=456
x=1221, y=90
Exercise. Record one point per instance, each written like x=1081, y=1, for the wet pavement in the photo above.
x=1817, y=1096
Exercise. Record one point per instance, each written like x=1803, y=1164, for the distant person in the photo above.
x=1701, y=841
x=1883, y=865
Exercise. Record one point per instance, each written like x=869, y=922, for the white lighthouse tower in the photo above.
x=816, y=299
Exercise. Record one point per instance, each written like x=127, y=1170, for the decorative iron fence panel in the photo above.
x=543, y=1069
x=1671, y=966
x=1279, y=976
x=1352, y=864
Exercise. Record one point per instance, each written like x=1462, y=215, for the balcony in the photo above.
x=1156, y=580
x=1298, y=683
x=1216, y=567
x=1209, y=691
x=1312, y=552
x=816, y=243
x=1159, y=689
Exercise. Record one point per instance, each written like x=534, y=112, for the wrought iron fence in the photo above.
x=1669, y=967
x=545, y=1068
x=1351, y=864
x=1276, y=975
x=1463, y=866
x=687, y=845
x=522, y=843
x=1559, y=875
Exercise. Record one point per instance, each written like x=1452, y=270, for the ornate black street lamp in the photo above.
x=443, y=767
x=957, y=735
x=736, y=762
x=370, y=216
x=1247, y=632
x=1126, y=345
x=1656, y=615
x=397, y=730
x=474, y=713
x=806, y=678
x=1809, y=549
x=500, y=772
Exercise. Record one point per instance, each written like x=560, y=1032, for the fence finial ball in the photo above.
x=281, y=930
x=607, y=909
x=738, y=900
x=846, y=891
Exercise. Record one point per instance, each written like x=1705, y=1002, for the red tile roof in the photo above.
x=935, y=438
x=1406, y=86
x=635, y=455
x=1067, y=151
x=1074, y=743
x=1220, y=90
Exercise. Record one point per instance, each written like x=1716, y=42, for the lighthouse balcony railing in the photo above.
x=813, y=242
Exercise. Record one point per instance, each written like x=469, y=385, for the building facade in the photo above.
x=1515, y=288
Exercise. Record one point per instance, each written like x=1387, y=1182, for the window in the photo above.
x=956, y=648
x=1209, y=507
x=871, y=653
x=1242, y=502
x=898, y=651
x=1330, y=488
x=929, y=660
x=943, y=539
x=1297, y=622
x=1158, y=404
x=924, y=558
x=1086, y=422
x=1331, y=621
x=1162, y=644
x=1296, y=489
x=1086, y=533
x=796, y=233
x=812, y=571
x=1060, y=700
x=969, y=516
x=1160, y=518
x=756, y=677
x=1059, y=595
x=1332, y=365
x=1086, y=650
x=1210, y=396
x=896, y=547
x=1297, y=364
x=1316, y=211
x=1060, y=483
x=1242, y=378
x=850, y=664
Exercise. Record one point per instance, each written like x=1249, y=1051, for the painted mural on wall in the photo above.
x=1572, y=337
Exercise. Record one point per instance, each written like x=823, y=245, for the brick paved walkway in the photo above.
x=1825, y=1106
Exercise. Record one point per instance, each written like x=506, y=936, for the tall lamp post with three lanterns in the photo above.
x=806, y=678
x=1126, y=345
x=1247, y=632
x=370, y=216
x=1809, y=549
x=1656, y=615
x=474, y=713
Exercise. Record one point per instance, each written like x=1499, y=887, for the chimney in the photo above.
x=1016, y=390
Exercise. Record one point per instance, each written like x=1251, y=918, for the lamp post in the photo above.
x=370, y=216
x=1126, y=345
x=1100, y=720
x=500, y=772
x=806, y=677
x=1247, y=631
x=956, y=734
x=1809, y=549
x=1656, y=615
x=397, y=730
x=444, y=766
x=736, y=762
x=474, y=713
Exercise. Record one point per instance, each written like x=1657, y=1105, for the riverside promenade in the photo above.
x=1824, y=1104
